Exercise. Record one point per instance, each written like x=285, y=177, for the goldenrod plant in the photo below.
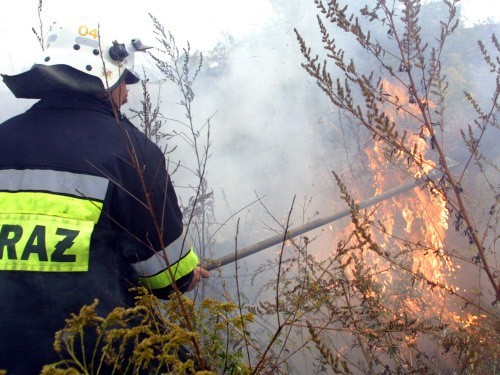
x=151, y=337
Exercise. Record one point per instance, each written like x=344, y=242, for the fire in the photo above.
x=419, y=214
x=418, y=217
x=467, y=320
x=409, y=217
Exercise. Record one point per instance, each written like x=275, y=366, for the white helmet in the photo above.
x=79, y=58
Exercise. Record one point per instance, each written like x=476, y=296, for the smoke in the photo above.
x=270, y=136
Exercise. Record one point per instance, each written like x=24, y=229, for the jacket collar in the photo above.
x=73, y=100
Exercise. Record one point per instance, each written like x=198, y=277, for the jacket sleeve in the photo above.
x=161, y=254
x=174, y=263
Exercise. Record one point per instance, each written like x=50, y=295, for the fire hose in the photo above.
x=294, y=232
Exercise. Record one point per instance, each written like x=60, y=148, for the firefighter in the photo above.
x=87, y=208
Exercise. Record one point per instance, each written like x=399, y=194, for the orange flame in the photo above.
x=422, y=216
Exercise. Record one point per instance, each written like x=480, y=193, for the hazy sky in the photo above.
x=199, y=21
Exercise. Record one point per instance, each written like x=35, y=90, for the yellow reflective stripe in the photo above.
x=179, y=269
x=46, y=232
x=44, y=243
x=39, y=203
x=157, y=263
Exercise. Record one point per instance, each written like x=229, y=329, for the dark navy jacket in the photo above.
x=62, y=142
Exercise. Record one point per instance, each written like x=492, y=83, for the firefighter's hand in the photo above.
x=199, y=273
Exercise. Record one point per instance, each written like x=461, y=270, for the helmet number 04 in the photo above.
x=85, y=31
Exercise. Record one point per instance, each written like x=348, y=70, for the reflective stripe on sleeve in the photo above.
x=157, y=263
x=180, y=269
x=80, y=185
